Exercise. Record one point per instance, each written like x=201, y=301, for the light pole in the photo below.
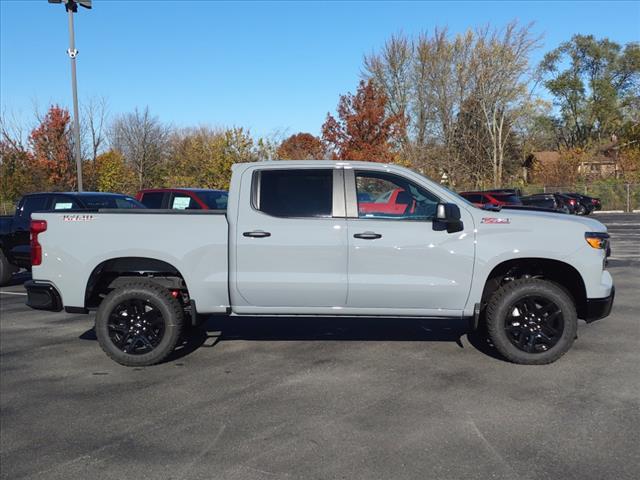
x=72, y=7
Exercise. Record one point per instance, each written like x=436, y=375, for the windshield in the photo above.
x=507, y=198
x=214, y=200
x=459, y=197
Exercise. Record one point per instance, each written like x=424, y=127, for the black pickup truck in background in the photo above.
x=15, y=249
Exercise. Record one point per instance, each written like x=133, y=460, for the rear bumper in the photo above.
x=598, y=308
x=43, y=296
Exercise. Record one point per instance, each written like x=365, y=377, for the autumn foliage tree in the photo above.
x=203, y=157
x=364, y=130
x=51, y=149
x=301, y=146
x=15, y=178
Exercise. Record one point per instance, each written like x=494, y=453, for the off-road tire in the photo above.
x=161, y=299
x=499, y=308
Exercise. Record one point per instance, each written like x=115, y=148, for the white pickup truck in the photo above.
x=321, y=238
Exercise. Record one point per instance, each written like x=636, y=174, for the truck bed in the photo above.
x=195, y=242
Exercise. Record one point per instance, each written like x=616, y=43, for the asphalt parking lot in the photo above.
x=324, y=399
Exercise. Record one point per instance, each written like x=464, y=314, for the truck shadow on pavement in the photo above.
x=224, y=329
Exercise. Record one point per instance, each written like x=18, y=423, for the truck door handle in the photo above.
x=256, y=234
x=367, y=235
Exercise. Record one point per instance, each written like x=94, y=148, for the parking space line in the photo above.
x=13, y=293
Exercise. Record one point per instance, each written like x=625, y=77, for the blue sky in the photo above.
x=267, y=66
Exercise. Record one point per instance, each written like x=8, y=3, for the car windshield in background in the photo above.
x=108, y=201
x=507, y=198
x=214, y=200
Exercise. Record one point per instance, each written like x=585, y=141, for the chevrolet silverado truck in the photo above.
x=294, y=241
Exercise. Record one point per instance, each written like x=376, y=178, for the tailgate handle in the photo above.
x=367, y=235
x=256, y=234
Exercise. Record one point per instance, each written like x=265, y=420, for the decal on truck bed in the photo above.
x=78, y=218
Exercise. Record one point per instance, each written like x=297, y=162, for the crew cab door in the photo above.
x=291, y=241
x=398, y=260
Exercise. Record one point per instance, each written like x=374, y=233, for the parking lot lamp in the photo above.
x=72, y=7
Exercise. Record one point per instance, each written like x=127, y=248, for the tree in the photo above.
x=95, y=112
x=597, y=92
x=14, y=160
x=113, y=174
x=301, y=146
x=143, y=142
x=501, y=74
x=50, y=143
x=433, y=78
x=203, y=157
x=363, y=130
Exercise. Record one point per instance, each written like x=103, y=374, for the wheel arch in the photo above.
x=108, y=273
x=557, y=271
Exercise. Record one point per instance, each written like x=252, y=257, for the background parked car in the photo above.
x=553, y=201
x=15, y=249
x=183, y=198
x=586, y=204
x=498, y=198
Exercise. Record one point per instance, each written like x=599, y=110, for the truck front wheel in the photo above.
x=531, y=321
x=139, y=324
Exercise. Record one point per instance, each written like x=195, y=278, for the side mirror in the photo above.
x=448, y=218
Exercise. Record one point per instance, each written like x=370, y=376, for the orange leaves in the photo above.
x=364, y=130
x=52, y=151
x=301, y=146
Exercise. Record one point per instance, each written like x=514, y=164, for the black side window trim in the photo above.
x=338, y=182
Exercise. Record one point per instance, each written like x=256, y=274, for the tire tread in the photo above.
x=154, y=357
x=495, y=324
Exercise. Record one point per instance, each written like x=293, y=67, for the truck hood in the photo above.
x=542, y=218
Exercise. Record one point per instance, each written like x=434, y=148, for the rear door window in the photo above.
x=35, y=203
x=182, y=201
x=152, y=199
x=64, y=203
x=294, y=193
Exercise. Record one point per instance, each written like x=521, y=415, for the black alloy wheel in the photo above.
x=139, y=323
x=136, y=326
x=534, y=324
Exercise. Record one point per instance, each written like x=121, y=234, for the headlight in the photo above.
x=599, y=240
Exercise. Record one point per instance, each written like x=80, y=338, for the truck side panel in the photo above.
x=196, y=245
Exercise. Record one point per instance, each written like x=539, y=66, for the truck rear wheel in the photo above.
x=531, y=321
x=139, y=324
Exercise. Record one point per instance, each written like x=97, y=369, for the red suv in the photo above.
x=183, y=198
x=494, y=198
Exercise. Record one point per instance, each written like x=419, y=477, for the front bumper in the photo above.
x=598, y=308
x=43, y=296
